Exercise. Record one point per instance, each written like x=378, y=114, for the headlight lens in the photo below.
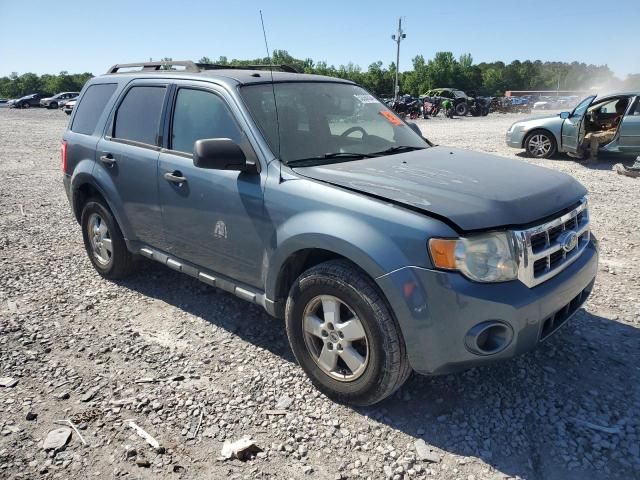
x=489, y=257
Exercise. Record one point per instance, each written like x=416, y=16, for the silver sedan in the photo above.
x=542, y=137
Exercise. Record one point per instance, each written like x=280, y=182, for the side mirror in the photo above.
x=220, y=154
x=415, y=127
x=565, y=115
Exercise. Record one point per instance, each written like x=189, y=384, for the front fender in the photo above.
x=344, y=235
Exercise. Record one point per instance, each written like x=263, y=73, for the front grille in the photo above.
x=549, y=248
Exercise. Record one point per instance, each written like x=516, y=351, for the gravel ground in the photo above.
x=194, y=367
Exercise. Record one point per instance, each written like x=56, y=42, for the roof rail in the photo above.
x=190, y=66
x=215, y=66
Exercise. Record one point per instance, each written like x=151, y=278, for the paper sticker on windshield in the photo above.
x=366, y=98
x=393, y=120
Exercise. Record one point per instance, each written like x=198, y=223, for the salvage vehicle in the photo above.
x=383, y=253
x=27, y=101
x=56, y=100
x=462, y=103
x=543, y=137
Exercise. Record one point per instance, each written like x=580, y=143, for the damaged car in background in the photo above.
x=618, y=115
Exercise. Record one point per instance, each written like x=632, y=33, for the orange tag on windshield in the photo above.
x=393, y=120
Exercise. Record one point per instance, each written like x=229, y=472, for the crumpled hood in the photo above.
x=475, y=191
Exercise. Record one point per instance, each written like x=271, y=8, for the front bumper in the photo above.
x=515, y=138
x=437, y=309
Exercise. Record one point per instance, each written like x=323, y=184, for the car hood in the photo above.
x=472, y=190
x=548, y=121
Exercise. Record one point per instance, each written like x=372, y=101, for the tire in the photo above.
x=52, y=105
x=461, y=109
x=485, y=111
x=380, y=366
x=540, y=144
x=68, y=112
x=26, y=105
x=116, y=263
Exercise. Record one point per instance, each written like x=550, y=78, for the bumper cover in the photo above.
x=515, y=138
x=436, y=309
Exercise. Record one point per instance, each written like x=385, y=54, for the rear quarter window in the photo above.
x=90, y=108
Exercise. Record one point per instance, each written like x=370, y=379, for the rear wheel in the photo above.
x=540, y=144
x=344, y=336
x=104, y=241
x=53, y=105
x=26, y=105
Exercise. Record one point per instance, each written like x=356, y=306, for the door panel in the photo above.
x=630, y=130
x=133, y=172
x=573, y=127
x=214, y=219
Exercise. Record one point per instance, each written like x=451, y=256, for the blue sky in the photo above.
x=90, y=35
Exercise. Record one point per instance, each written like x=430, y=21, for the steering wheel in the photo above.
x=349, y=131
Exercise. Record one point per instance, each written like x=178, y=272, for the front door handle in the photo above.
x=175, y=177
x=108, y=160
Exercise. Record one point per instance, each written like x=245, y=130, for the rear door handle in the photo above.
x=175, y=177
x=108, y=160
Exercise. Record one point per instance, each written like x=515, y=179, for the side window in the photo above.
x=138, y=116
x=199, y=114
x=636, y=110
x=88, y=111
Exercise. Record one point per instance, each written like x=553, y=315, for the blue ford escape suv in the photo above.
x=304, y=194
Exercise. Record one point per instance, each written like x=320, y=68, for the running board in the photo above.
x=215, y=280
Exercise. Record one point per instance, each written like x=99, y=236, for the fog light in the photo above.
x=489, y=338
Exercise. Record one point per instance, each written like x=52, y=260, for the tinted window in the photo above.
x=138, y=116
x=90, y=108
x=199, y=114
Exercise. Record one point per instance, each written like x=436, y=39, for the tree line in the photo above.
x=443, y=70
x=16, y=86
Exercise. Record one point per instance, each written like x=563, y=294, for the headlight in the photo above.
x=489, y=257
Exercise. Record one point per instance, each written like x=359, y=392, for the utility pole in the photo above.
x=398, y=37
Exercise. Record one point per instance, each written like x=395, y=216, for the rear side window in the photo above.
x=138, y=116
x=88, y=111
x=199, y=114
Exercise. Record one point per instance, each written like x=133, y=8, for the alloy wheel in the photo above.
x=335, y=338
x=539, y=145
x=100, y=239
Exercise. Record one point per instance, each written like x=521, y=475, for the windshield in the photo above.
x=459, y=94
x=327, y=120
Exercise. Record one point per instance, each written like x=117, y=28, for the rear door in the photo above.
x=127, y=158
x=573, y=127
x=630, y=130
x=212, y=218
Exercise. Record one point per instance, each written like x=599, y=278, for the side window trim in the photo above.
x=110, y=125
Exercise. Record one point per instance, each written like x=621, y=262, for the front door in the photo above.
x=212, y=218
x=573, y=127
x=630, y=130
x=127, y=161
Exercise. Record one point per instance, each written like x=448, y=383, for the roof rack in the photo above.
x=190, y=66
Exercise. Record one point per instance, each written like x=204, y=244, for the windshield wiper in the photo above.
x=320, y=159
x=397, y=149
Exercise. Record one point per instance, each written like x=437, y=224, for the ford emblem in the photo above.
x=569, y=240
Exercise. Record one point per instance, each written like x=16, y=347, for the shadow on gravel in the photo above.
x=564, y=411
x=247, y=321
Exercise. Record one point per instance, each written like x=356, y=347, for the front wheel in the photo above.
x=344, y=336
x=540, y=144
x=26, y=105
